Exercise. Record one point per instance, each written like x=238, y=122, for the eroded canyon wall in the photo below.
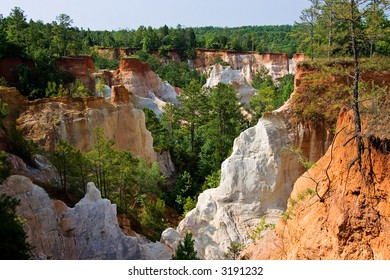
x=256, y=182
x=88, y=231
x=47, y=121
x=348, y=217
x=247, y=62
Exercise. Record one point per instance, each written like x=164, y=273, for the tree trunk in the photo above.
x=355, y=100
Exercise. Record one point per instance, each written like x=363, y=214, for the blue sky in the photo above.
x=121, y=14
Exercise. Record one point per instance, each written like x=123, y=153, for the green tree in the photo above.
x=159, y=132
x=225, y=120
x=79, y=89
x=262, y=102
x=185, y=250
x=190, y=111
x=234, y=251
x=353, y=12
x=309, y=21
x=184, y=187
x=16, y=27
x=152, y=218
x=71, y=166
x=189, y=205
x=100, y=159
x=284, y=89
x=62, y=34
x=13, y=244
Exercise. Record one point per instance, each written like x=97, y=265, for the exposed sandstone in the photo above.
x=227, y=75
x=88, y=231
x=257, y=178
x=43, y=172
x=140, y=80
x=256, y=182
x=80, y=67
x=247, y=62
x=47, y=121
x=351, y=222
x=8, y=66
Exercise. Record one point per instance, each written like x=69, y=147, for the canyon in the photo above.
x=259, y=179
x=256, y=180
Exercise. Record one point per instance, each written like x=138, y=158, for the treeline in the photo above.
x=262, y=39
x=20, y=37
x=325, y=28
x=319, y=32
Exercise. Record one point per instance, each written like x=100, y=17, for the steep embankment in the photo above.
x=248, y=63
x=259, y=175
x=352, y=220
x=78, y=67
x=47, y=121
x=146, y=86
x=88, y=231
x=227, y=75
x=256, y=181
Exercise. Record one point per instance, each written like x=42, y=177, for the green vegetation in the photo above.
x=152, y=218
x=270, y=95
x=258, y=232
x=262, y=39
x=13, y=244
x=234, y=251
x=130, y=183
x=201, y=131
x=185, y=250
x=293, y=202
x=325, y=28
x=322, y=32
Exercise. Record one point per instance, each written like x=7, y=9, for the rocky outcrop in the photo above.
x=79, y=67
x=47, y=121
x=140, y=80
x=297, y=57
x=348, y=219
x=43, y=172
x=247, y=62
x=88, y=231
x=9, y=65
x=227, y=75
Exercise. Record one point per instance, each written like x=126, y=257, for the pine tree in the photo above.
x=13, y=245
x=186, y=250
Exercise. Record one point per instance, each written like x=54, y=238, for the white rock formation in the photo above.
x=88, y=231
x=227, y=75
x=247, y=62
x=151, y=102
x=256, y=181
